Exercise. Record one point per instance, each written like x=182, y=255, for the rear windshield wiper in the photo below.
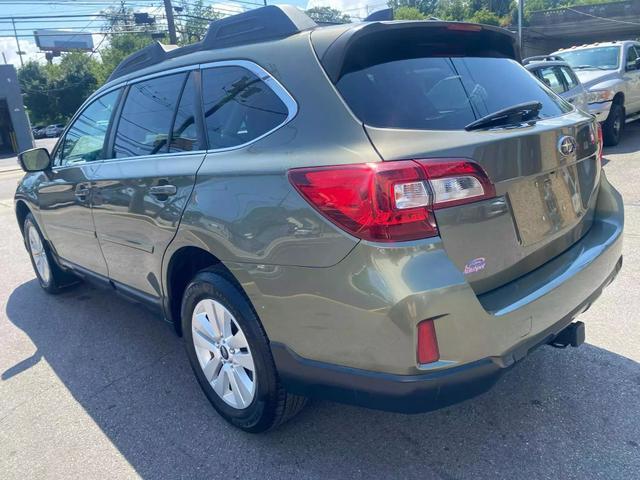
x=522, y=112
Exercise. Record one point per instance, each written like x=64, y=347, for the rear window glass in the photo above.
x=442, y=93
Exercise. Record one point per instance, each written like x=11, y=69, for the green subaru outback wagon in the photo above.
x=388, y=214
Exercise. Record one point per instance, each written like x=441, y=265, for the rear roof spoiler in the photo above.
x=259, y=25
x=333, y=52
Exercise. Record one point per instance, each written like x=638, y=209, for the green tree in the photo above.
x=408, y=13
x=452, y=10
x=485, y=17
x=426, y=7
x=35, y=86
x=193, y=20
x=328, y=15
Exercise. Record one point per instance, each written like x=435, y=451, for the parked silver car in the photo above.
x=559, y=77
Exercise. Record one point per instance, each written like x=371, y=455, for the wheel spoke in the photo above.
x=203, y=341
x=238, y=340
x=210, y=311
x=224, y=320
x=204, y=327
x=210, y=370
x=244, y=360
x=241, y=386
x=221, y=384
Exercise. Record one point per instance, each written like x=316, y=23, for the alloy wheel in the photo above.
x=223, y=353
x=39, y=255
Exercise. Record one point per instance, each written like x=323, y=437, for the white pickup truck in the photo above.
x=610, y=71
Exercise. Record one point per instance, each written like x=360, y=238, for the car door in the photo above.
x=632, y=78
x=65, y=197
x=142, y=188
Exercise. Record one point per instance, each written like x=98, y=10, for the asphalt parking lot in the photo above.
x=93, y=387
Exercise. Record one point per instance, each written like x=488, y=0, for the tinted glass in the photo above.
x=569, y=77
x=184, y=136
x=442, y=93
x=632, y=56
x=84, y=140
x=605, y=58
x=552, y=78
x=145, y=121
x=238, y=107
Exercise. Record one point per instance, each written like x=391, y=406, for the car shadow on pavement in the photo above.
x=559, y=414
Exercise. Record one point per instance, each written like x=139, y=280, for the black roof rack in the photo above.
x=259, y=25
x=542, y=58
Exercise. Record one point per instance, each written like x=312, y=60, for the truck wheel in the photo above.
x=230, y=356
x=613, y=125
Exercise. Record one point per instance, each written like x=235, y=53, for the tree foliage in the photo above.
x=408, y=13
x=52, y=93
x=328, y=15
x=193, y=20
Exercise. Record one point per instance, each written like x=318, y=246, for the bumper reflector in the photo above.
x=427, y=350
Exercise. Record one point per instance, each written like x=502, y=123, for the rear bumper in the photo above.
x=411, y=393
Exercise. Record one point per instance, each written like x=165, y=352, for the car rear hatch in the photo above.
x=416, y=86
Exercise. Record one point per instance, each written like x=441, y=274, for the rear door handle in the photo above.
x=163, y=190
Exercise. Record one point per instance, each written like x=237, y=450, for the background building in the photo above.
x=15, y=130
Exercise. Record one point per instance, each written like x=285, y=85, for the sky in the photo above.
x=17, y=8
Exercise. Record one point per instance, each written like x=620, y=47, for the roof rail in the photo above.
x=542, y=58
x=254, y=26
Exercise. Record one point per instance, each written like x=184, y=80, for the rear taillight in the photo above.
x=391, y=201
x=600, y=142
x=427, y=350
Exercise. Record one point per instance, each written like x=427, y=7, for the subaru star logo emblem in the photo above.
x=567, y=145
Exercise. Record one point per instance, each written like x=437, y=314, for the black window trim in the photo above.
x=261, y=73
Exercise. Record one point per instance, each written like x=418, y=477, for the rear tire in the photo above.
x=236, y=354
x=51, y=277
x=613, y=126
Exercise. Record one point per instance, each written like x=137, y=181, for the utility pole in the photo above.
x=15, y=32
x=520, y=13
x=170, y=23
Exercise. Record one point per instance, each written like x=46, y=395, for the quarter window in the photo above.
x=569, y=77
x=552, y=77
x=84, y=141
x=238, y=107
x=147, y=115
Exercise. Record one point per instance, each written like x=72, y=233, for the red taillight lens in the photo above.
x=427, y=350
x=600, y=142
x=391, y=201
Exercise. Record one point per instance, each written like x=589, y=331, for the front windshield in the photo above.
x=602, y=58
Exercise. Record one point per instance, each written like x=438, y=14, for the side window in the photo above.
x=84, y=141
x=569, y=77
x=632, y=56
x=145, y=121
x=238, y=106
x=184, y=135
x=551, y=77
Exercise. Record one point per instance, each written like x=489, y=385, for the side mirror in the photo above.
x=35, y=160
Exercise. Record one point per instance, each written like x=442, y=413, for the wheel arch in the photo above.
x=22, y=210
x=182, y=266
x=618, y=98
